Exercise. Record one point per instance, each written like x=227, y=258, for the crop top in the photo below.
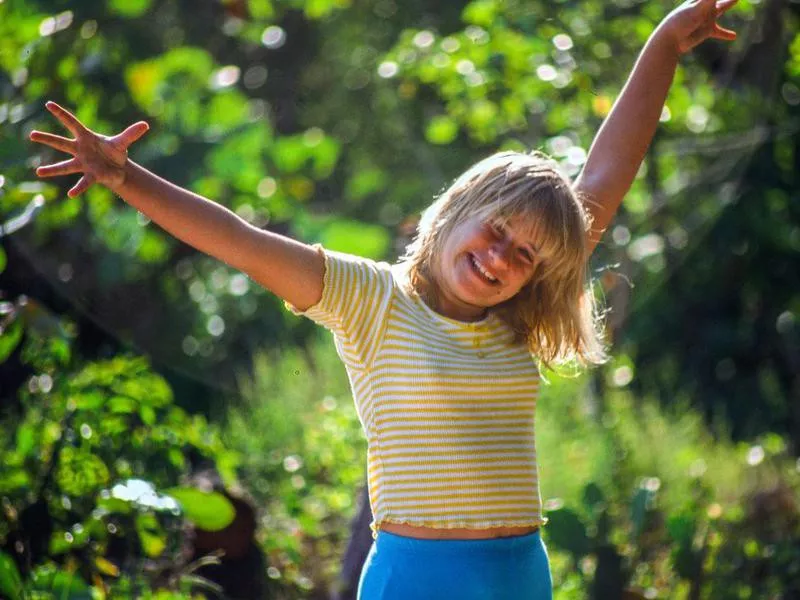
x=447, y=406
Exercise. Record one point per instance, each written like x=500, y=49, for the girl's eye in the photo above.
x=526, y=255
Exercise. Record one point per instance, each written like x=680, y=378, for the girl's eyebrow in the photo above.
x=506, y=226
x=533, y=246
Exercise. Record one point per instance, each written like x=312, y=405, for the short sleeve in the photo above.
x=356, y=295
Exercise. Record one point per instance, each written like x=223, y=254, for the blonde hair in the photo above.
x=555, y=313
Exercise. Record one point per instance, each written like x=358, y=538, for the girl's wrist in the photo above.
x=667, y=39
x=123, y=179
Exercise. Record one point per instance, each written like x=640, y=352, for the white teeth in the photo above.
x=483, y=271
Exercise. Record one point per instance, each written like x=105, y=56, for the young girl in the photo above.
x=439, y=347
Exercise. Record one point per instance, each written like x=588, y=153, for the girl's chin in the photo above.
x=479, y=296
x=475, y=296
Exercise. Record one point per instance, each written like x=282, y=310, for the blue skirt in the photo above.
x=403, y=568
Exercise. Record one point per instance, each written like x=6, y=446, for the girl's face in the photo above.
x=481, y=265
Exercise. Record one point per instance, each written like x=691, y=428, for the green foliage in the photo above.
x=305, y=473
x=441, y=130
x=10, y=579
x=640, y=499
x=10, y=338
x=59, y=583
x=371, y=241
x=92, y=446
x=129, y=8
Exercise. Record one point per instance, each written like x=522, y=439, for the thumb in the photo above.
x=721, y=33
x=84, y=183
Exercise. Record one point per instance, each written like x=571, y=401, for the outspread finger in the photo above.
x=84, y=183
x=54, y=141
x=720, y=33
x=66, y=167
x=67, y=119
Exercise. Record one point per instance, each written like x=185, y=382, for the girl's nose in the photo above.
x=499, y=252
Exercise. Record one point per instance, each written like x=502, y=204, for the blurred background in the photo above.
x=170, y=431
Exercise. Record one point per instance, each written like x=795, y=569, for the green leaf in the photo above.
x=59, y=544
x=261, y=9
x=324, y=156
x=227, y=109
x=317, y=9
x=593, y=496
x=106, y=567
x=3, y=260
x=122, y=404
x=290, y=153
x=89, y=400
x=441, y=130
x=366, y=182
x=210, y=511
x=481, y=12
x=176, y=458
x=10, y=339
x=80, y=472
x=682, y=528
x=10, y=579
x=151, y=535
x=175, y=78
x=148, y=415
x=129, y=8
x=153, y=247
x=60, y=351
x=115, y=505
x=565, y=530
x=13, y=479
x=26, y=439
x=686, y=559
x=60, y=583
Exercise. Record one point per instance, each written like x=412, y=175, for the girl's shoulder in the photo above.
x=400, y=277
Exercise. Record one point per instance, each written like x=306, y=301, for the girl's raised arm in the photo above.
x=622, y=141
x=290, y=269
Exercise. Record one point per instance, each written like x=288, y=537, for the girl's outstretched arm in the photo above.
x=622, y=141
x=290, y=269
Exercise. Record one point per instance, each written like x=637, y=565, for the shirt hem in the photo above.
x=539, y=522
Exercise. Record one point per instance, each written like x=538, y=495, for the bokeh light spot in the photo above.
x=388, y=69
x=546, y=72
x=755, y=456
x=273, y=37
x=424, y=39
x=562, y=41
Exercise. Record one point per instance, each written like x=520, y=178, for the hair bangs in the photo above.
x=547, y=215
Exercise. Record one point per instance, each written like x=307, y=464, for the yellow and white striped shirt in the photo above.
x=447, y=406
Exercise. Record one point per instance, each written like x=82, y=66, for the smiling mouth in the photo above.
x=482, y=272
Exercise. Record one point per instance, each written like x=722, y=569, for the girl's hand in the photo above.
x=100, y=158
x=695, y=21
